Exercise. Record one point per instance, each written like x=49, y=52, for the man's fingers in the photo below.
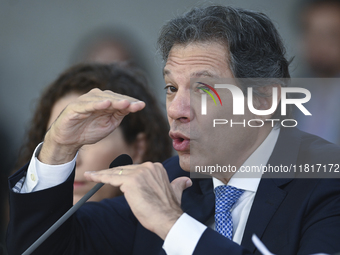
x=179, y=185
x=97, y=94
x=97, y=100
x=110, y=176
x=111, y=94
x=114, y=176
x=126, y=106
x=136, y=106
x=108, y=105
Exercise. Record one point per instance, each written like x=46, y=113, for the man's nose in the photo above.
x=179, y=107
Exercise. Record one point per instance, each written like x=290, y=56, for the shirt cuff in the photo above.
x=42, y=176
x=183, y=236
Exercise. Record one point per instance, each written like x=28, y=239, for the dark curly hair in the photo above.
x=117, y=78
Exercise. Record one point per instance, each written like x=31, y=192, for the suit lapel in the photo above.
x=270, y=195
x=199, y=200
x=267, y=200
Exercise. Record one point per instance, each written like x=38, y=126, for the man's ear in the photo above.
x=139, y=148
x=265, y=102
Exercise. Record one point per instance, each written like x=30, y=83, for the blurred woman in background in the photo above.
x=142, y=135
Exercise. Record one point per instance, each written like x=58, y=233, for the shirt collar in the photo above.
x=259, y=157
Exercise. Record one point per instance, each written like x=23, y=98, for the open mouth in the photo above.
x=180, y=142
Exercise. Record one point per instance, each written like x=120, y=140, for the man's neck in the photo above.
x=261, y=137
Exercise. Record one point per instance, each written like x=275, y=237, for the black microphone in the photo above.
x=121, y=160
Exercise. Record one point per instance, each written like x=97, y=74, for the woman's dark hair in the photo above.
x=119, y=79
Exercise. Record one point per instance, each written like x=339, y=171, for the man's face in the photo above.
x=194, y=137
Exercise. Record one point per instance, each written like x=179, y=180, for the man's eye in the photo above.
x=203, y=89
x=170, y=89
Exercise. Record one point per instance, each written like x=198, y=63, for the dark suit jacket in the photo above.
x=291, y=216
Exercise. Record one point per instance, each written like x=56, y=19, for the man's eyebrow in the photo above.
x=204, y=73
x=166, y=72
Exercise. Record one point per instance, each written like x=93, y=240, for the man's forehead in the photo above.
x=205, y=59
x=198, y=49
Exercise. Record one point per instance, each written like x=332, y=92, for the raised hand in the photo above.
x=153, y=200
x=92, y=117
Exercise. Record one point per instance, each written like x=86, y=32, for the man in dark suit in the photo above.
x=291, y=216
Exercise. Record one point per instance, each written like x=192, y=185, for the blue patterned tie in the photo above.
x=226, y=197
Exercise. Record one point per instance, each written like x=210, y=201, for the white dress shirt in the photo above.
x=186, y=232
x=42, y=176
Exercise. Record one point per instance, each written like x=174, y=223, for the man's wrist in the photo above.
x=164, y=228
x=53, y=153
x=183, y=236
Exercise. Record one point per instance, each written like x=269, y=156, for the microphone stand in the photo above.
x=121, y=160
